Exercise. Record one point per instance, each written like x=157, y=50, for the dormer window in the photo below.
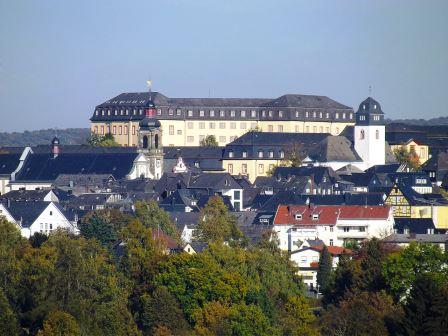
x=271, y=154
x=280, y=114
x=364, y=106
x=230, y=154
x=244, y=154
x=298, y=216
x=260, y=154
x=282, y=154
x=374, y=106
x=315, y=216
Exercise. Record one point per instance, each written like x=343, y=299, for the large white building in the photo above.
x=334, y=225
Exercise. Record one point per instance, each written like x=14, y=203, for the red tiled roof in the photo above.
x=327, y=214
x=314, y=264
x=334, y=250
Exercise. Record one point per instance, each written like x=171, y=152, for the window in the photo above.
x=280, y=114
x=221, y=113
x=270, y=128
x=307, y=114
x=307, y=129
x=280, y=128
x=201, y=113
x=253, y=125
x=95, y=129
x=222, y=139
x=337, y=115
x=362, y=135
x=261, y=168
x=244, y=154
x=297, y=114
x=351, y=115
x=212, y=125
x=331, y=242
x=244, y=168
x=114, y=130
x=271, y=154
x=232, y=125
x=222, y=125
x=377, y=134
x=282, y=154
x=120, y=130
x=321, y=129
x=243, y=125
x=303, y=260
x=331, y=229
x=133, y=130
x=260, y=154
x=271, y=168
x=190, y=138
x=263, y=113
x=51, y=226
x=190, y=125
x=320, y=115
x=201, y=137
x=243, y=114
x=51, y=213
x=314, y=129
x=298, y=216
x=178, y=111
x=253, y=113
x=270, y=114
x=202, y=125
x=237, y=195
x=314, y=114
x=179, y=132
x=346, y=229
x=171, y=128
x=230, y=154
x=102, y=129
x=327, y=129
x=170, y=112
x=343, y=115
x=362, y=229
x=297, y=128
x=125, y=130
x=190, y=113
x=159, y=111
x=327, y=115
x=230, y=168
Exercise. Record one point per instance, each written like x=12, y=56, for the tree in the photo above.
x=401, y=269
x=8, y=320
x=296, y=318
x=161, y=309
x=361, y=314
x=209, y=141
x=37, y=239
x=325, y=269
x=426, y=312
x=151, y=216
x=216, y=223
x=107, y=140
x=410, y=158
x=60, y=323
x=98, y=227
x=293, y=157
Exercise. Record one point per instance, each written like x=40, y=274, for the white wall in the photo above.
x=371, y=150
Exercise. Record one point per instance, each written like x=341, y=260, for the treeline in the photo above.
x=387, y=290
x=420, y=122
x=69, y=136
x=117, y=279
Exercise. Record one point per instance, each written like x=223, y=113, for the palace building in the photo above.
x=187, y=121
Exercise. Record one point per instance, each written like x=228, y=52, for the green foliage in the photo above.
x=324, y=271
x=426, y=311
x=365, y=313
x=402, y=268
x=107, y=140
x=216, y=223
x=161, y=309
x=60, y=323
x=37, y=239
x=209, y=141
x=154, y=217
x=69, y=136
x=296, y=318
x=97, y=226
x=8, y=320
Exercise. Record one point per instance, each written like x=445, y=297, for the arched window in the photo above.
x=377, y=134
x=156, y=141
x=362, y=135
x=145, y=142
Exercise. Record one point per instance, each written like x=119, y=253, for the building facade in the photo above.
x=187, y=121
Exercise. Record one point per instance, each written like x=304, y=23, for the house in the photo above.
x=412, y=146
x=416, y=226
x=307, y=256
x=334, y=225
x=404, y=240
x=39, y=216
x=437, y=167
x=44, y=195
x=199, y=159
x=194, y=247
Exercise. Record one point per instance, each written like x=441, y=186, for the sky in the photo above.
x=59, y=59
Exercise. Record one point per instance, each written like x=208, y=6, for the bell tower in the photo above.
x=370, y=133
x=150, y=141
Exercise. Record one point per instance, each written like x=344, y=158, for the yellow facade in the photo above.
x=191, y=132
x=411, y=146
x=250, y=168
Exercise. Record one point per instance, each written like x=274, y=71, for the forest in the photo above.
x=117, y=278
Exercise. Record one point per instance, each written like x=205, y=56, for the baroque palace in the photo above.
x=187, y=121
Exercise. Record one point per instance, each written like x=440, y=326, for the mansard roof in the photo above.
x=370, y=105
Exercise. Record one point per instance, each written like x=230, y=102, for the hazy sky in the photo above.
x=58, y=59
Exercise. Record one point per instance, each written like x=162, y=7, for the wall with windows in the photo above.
x=252, y=168
x=421, y=150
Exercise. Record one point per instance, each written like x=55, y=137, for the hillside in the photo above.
x=421, y=122
x=70, y=136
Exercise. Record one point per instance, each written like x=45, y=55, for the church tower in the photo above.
x=369, y=133
x=150, y=142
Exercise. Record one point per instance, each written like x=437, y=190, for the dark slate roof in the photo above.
x=334, y=148
x=410, y=179
x=308, y=101
x=317, y=172
x=27, y=212
x=359, y=179
x=191, y=152
x=415, y=225
x=9, y=163
x=397, y=138
x=389, y=168
x=180, y=218
x=274, y=138
x=25, y=195
x=214, y=181
x=198, y=246
x=367, y=110
x=180, y=199
x=421, y=238
x=43, y=167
